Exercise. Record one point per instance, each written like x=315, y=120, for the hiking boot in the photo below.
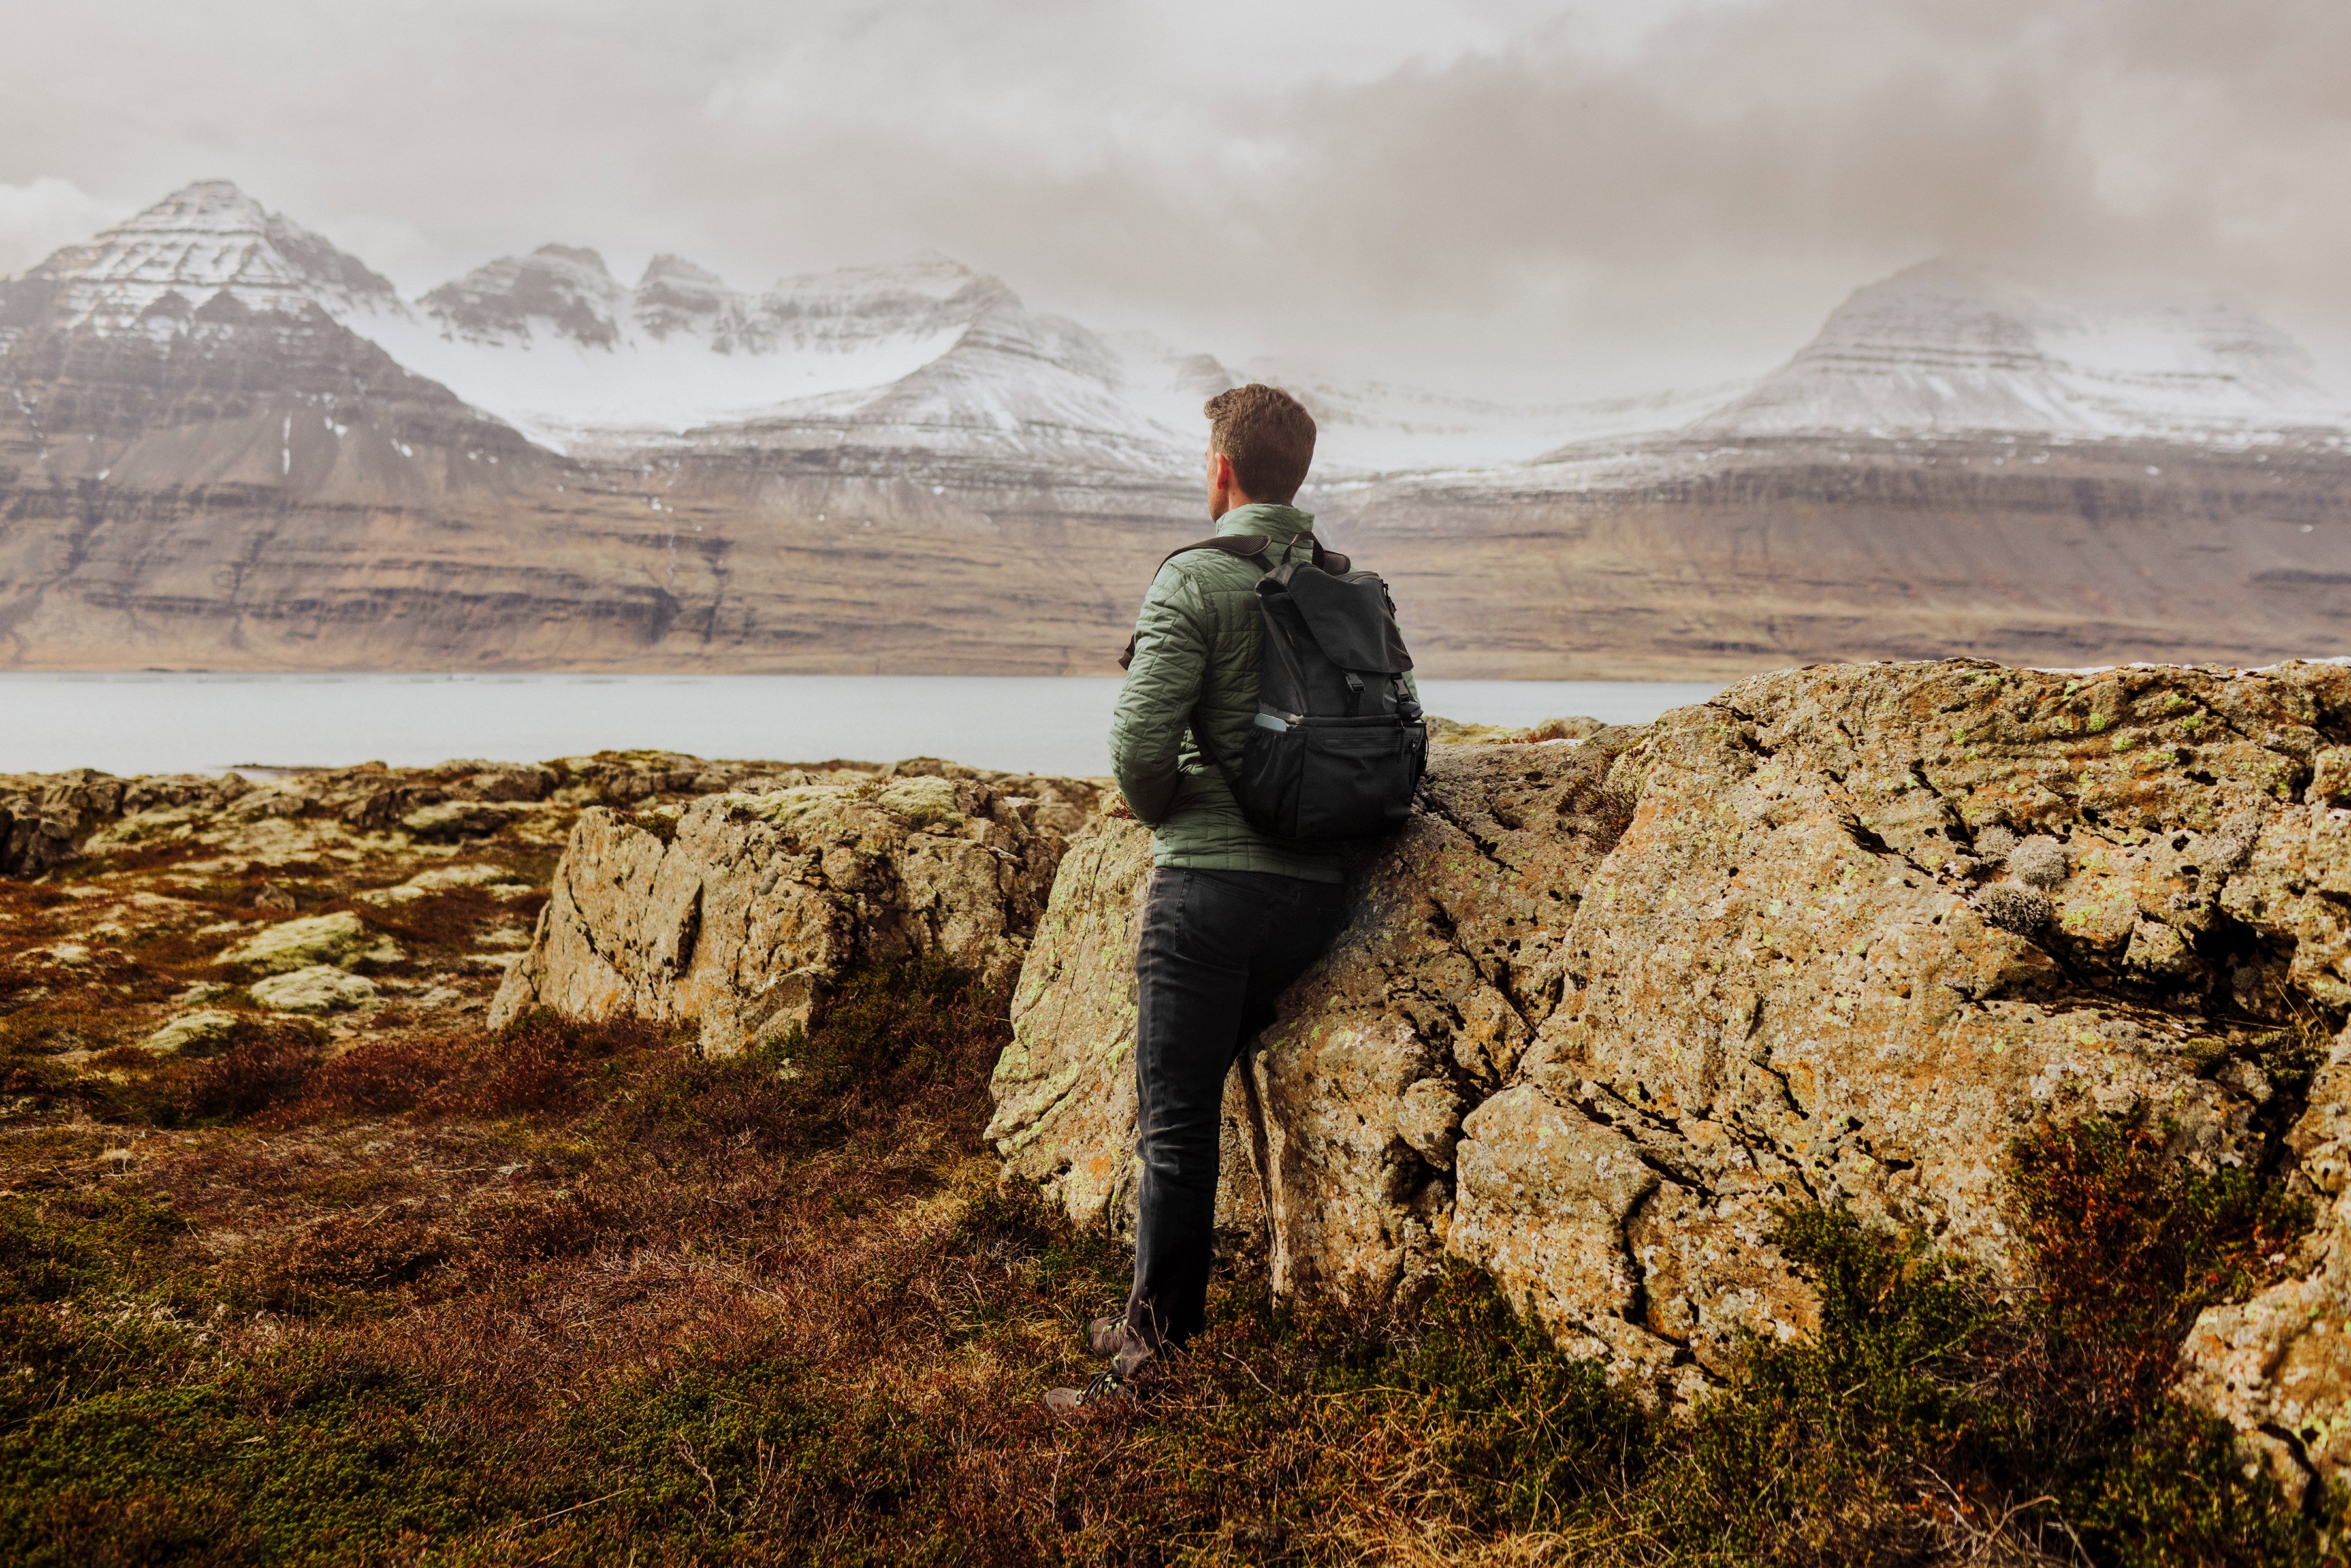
x=1116, y=1342
x=1104, y=1388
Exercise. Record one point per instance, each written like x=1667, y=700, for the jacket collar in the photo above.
x=1282, y=523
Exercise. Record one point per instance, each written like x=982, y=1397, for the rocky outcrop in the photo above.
x=734, y=914
x=2279, y=1366
x=50, y=819
x=1836, y=936
x=44, y=817
x=1340, y=1135
x=1803, y=974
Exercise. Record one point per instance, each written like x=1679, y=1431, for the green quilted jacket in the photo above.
x=1196, y=643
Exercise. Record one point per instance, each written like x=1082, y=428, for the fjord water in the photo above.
x=156, y=723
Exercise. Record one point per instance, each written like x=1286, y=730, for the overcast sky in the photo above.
x=1574, y=197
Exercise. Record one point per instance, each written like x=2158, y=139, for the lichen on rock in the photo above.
x=339, y=940
x=735, y=914
x=194, y=1034
x=320, y=989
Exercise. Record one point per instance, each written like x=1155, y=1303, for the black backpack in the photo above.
x=1339, y=744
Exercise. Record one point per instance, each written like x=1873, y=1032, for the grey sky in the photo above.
x=1533, y=196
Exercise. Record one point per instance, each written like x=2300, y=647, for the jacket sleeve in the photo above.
x=1171, y=640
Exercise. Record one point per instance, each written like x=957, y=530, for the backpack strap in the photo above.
x=1247, y=546
x=1244, y=547
x=1251, y=547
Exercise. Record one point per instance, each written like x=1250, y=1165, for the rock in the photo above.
x=2278, y=1367
x=2330, y=777
x=492, y=880
x=1789, y=989
x=441, y=878
x=194, y=1034
x=1064, y=1088
x=507, y=781
x=1546, y=1200
x=1429, y=1120
x=321, y=989
x=45, y=816
x=1341, y=1131
x=337, y=939
x=736, y=913
x=1670, y=983
x=2295, y=889
x=447, y=820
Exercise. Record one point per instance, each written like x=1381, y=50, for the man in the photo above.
x=1231, y=917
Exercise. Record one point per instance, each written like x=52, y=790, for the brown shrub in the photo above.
x=450, y=920
x=538, y=1063
x=104, y=1526
x=253, y=1074
x=305, y=1271
x=379, y=1077
x=68, y=1011
x=2128, y=1246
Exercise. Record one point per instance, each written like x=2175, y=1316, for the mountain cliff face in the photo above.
x=227, y=444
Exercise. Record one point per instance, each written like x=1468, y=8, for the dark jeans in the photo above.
x=1218, y=948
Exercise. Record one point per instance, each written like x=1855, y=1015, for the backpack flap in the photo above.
x=1350, y=617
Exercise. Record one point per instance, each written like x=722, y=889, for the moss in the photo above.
x=661, y=825
x=329, y=1474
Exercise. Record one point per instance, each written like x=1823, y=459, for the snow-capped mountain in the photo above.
x=930, y=356
x=226, y=444
x=1942, y=348
x=202, y=241
x=553, y=344
x=935, y=358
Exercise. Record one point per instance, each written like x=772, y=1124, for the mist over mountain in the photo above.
x=227, y=443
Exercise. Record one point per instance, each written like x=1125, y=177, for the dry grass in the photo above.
x=574, y=1295
x=389, y=1289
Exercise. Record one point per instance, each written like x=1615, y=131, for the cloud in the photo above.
x=1574, y=194
x=42, y=213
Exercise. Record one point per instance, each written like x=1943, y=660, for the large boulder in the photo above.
x=734, y=914
x=1604, y=1010
x=1064, y=1088
x=1867, y=924
x=1340, y=1135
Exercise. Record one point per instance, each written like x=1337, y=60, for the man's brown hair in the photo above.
x=1268, y=437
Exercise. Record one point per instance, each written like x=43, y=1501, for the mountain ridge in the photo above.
x=226, y=444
